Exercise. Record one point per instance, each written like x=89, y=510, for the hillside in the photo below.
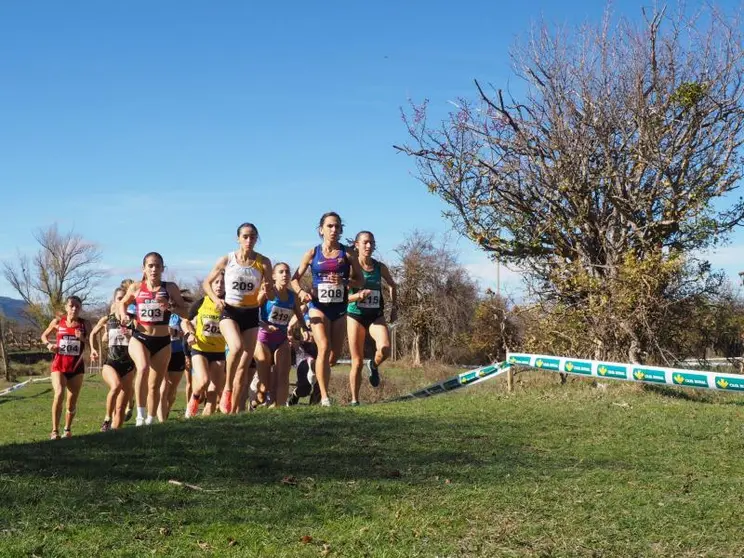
x=12, y=308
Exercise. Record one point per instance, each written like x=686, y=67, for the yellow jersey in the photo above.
x=208, y=336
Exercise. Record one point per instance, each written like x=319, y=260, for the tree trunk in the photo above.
x=416, y=349
x=4, y=366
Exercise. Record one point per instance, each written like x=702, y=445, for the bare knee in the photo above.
x=324, y=350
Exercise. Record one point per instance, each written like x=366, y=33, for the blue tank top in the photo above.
x=324, y=292
x=278, y=312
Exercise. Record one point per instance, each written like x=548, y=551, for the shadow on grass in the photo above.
x=265, y=446
x=22, y=397
x=697, y=396
x=255, y=458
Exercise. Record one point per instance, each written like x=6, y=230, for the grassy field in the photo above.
x=550, y=470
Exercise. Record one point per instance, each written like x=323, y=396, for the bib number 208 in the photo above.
x=330, y=293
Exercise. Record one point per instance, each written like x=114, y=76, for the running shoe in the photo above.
x=354, y=404
x=140, y=421
x=106, y=426
x=127, y=415
x=325, y=402
x=373, y=373
x=67, y=433
x=54, y=435
x=226, y=402
x=293, y=399
x=192, y=409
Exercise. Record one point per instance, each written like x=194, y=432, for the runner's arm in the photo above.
x=392, y=289
x=299, y=272
x=218, y=268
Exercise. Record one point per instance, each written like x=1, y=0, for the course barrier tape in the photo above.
x=469, y=378
x=15, y=387
x=629, y=372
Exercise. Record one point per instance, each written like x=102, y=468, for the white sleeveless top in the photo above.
x=242, y=282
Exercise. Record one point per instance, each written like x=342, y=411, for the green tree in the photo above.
x=617, y=155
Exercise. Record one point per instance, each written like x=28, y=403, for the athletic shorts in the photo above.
x=121, y=366
x=70, y=375
x=177, y=362
x=272, y=339
x=365, y=320
x=217, y=356
x=153, y=343
x=333, y=311
x=246, y=318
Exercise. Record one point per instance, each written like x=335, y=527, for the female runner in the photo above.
x=202, y=333
x=333, y=269
x=273, y=355
x=366, y=313
x=245, y=272
x=149, y=347
x=67, y=366
x=116, y=371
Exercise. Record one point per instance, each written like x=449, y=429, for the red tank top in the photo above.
x=149, y=311
x=70, y=345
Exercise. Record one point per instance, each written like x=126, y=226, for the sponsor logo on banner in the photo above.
x=612, y=371
x=468, y=377
x=548, y=363
x=578, y=367
x=483, y=372
x=686, y=379
x=649, y=375
x=730, y=383
x=520, y=359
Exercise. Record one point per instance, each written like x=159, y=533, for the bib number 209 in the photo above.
x=243, y=286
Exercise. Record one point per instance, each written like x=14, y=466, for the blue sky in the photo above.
x=162, y=125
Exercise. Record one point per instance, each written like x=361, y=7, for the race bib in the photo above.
x=116, y=338
x=279, y=316
x=372, y=300
x=243, y=285
x=329, y=293
x=150, y=311
x=211, y=327
x=69, y=346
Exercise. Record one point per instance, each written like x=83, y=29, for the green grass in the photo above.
x=548, y=471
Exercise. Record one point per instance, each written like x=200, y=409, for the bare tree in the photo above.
x=617, y=154
x=436, y=297
x=65, y=265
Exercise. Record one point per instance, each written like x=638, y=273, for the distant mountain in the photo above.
x=12, y=308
